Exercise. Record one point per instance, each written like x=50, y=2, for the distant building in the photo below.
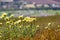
x=20, y=4
x=46, y=5
x=6, y=0
x=6, y=4
x=39, y=5
x=56, y=5
x=29, y=6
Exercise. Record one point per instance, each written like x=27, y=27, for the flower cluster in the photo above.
x=21, y=26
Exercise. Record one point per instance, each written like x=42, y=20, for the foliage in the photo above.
x=29, y=28
x=15, y=28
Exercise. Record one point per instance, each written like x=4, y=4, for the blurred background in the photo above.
x=30, y=7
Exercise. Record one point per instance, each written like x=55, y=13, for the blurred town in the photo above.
x=29, y=4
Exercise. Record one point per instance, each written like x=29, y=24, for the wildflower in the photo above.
x=11, y=16
x=15, y=23
x=2, y=17
x=37, y=26
x=23, y=20
x=20, y=16
x=46, y=27
x=11, y=21
x=8, y=22
x=0, y=23
x=19, y=21
x=58, y=26
x=0, y=36
x=4, y=14
x=33, y=19
x=49, y=24
x=7, y=18
x=28, y=19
